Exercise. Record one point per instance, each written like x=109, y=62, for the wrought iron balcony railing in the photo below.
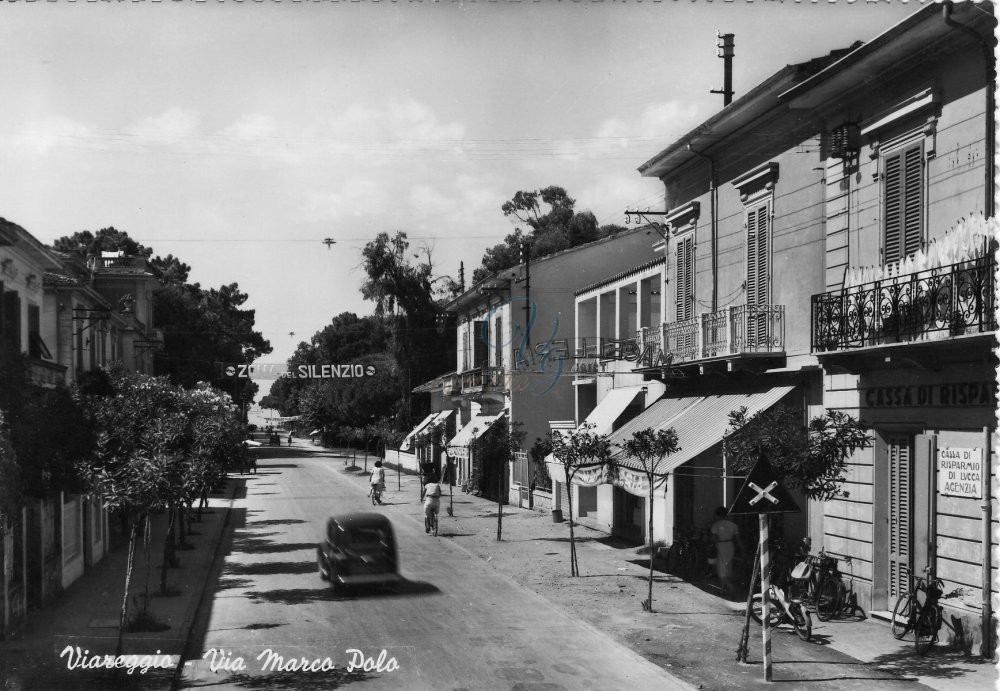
x=935, y=303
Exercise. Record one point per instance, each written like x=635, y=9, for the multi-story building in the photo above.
x=70, y=314
x=904, y=326
x=23, y=264
x=718, y=322
x=828, y=244
x=514, y=334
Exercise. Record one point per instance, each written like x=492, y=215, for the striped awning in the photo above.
x=602, y=417
x=700, y=423
x=474, y=429
x=408, y=441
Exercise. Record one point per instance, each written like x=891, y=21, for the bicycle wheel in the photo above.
x=801, y=620
x=828, y=598
x=925, y=630
x=902, y=614
x=755, y=611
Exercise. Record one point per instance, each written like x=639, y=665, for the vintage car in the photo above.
x=359, y=549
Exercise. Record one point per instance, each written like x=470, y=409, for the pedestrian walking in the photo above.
x=289, y=438
x=725, y=537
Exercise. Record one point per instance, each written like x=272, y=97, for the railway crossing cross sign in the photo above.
x=762, y=493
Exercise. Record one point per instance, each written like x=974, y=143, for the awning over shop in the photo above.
x=474, y=429
x=408, y=441
x=603, y=418
x=700, y=423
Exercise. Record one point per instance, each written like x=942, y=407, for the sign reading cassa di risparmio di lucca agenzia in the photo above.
x=960, y=471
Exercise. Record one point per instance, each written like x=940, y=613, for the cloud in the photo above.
x=251, y=126
x=42, y=136
x=173, y=127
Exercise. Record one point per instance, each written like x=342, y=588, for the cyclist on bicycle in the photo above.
x=377, y=481
x=432, y=501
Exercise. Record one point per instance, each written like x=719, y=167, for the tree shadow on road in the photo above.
x=298, y=596
x=275, y=521
x=270, y=568
x=332, y=679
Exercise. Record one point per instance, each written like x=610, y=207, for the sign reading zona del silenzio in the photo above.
x=276, y=371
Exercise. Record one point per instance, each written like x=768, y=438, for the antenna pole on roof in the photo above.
x=724, y=44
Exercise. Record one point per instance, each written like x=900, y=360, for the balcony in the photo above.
x=743, y=330
x=478, y=380
x=938, y=303
x=45, y=373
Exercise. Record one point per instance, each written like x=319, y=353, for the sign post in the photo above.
x=763, y=495
x=765, y=596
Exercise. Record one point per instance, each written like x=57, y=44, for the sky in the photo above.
x=240, y=135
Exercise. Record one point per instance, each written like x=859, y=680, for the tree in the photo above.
x=404, y=293
x=576, y=450
x=202, y=327
x=651, y=448
x=547, y=231
x=130, y=464
x=812, y=459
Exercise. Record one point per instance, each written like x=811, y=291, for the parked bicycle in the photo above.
x=687, y=556
x=783, y=610
x=924, y=619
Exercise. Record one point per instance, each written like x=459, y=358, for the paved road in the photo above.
x=454, y=624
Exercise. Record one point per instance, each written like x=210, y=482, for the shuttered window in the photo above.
x=758, y=246
x=685, y=278
x=480, y=350
x=11, y=327
x=903, y=195
x=900, y=460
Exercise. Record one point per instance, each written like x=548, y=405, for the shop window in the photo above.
x=903, y=201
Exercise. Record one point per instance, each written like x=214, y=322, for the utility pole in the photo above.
x=724, y=44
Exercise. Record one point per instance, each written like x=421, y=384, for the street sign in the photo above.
x=762, y=493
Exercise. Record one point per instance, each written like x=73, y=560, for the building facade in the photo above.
x=905, y=325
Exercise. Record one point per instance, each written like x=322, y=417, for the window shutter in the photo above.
x=903, y=195
x=480, y=350
x=912, y=199
x=757, y=255
x=685, y=278
x=12, y=317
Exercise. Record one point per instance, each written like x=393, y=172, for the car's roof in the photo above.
x=360, y=518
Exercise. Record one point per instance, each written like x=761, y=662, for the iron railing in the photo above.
x=935, y=303
x=738, y=330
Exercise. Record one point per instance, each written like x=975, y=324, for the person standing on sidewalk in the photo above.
x=289, y=438
x=725, y=537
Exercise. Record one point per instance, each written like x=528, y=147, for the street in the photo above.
x=454, y=623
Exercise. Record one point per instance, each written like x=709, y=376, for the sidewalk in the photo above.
x=693, y=633
x=87, y=613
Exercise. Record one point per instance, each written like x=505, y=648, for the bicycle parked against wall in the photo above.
x=783, y=609
x=819, y=584
x=687, y=556
x=924, y=619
